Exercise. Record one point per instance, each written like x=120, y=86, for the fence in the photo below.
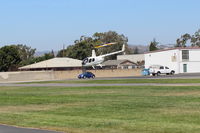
x=62, y=75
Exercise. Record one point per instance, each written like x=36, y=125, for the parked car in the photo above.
x=158, y=70
x=145, y=72
x=86, y=75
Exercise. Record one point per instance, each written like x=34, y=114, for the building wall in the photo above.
x=134, y=58
x=193, y=64
x=192, y=67
x=62, y=75
x=168, y=58
x=173, y=59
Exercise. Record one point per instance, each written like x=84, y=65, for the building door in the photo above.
x=184, y=68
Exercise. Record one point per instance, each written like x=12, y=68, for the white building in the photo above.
x=182, y=60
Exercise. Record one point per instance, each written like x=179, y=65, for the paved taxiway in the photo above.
x=12, y=129
x=176, y=76
x=89, y=85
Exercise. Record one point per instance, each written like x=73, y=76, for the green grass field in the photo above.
x=103, y=109
x=93, y=81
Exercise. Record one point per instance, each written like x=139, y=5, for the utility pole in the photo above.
x=63, y=49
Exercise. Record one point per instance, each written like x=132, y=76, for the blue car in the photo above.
x=145, y=72
x=86, y=75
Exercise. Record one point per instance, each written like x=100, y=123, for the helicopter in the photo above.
x=97, y=60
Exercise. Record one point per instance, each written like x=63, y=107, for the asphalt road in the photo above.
x=88, y=85
x=176, y=76
x=11, y=129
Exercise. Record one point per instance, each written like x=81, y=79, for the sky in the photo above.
x=50, y=24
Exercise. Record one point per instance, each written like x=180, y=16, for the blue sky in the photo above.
x=48, y=24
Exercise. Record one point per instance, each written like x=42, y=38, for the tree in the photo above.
x=9, y=58
x=181, y=42
x=136, y=50
x=153, y=45
x=78, y=51
x=195, y=39
x=25, y=52
x=83, y=47
x=111, y=36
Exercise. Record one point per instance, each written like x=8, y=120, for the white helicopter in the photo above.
x=97, y=60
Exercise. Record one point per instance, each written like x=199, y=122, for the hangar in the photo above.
x=54, y=64
x=182, y=60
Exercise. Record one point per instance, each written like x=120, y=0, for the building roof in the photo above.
x=177, y=48
x=115, y=62
x=55, y=63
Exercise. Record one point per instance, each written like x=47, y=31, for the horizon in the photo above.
x=49, y=24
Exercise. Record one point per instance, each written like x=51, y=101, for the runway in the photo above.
x=12, y=129
x=90, y=85
x=176, y=76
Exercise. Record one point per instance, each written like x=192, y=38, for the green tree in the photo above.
x=153, y=45
x=181, y=42
x=195, y=39
x=136, y=50
x=26, y=54
x=9, y=58
x=78, y=51
x=25, y=51
x=83, y=47
x=108, y=37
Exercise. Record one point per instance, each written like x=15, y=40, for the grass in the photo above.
x=136, y=109
x=91, y=81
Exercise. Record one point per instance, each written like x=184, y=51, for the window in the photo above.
x=166, y=67
x=125, y=67
x=93, y=59
x=85, y=61
x=90, y=60
x=185, y=55
x=161, y=67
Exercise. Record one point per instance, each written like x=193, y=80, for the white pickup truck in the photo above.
x=157, y=70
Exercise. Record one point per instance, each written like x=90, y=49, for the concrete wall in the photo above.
x=62, y=75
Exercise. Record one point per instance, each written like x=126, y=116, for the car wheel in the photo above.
x=158, y=73
x=172, y=72
x=84, y=77
x=153, y=74
x=93, y=76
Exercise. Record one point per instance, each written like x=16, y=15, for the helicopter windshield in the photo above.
x=84, y=61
